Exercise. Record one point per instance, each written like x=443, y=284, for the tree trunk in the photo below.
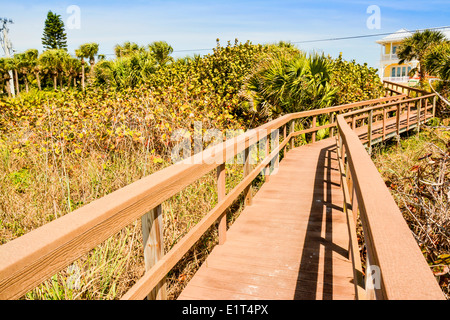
x=54, y=82
x=17, y=81
x=69, y=82
x=92, y=63
x=38, y=79
x=26, y=83
x=7, y=87
x=82, y=76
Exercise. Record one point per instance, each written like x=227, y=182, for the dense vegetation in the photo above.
x=418, y=176
x=86, y=128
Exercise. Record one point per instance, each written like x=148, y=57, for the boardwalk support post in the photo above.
x=369, y=132
x=291, y=131
x=247, y=169
x=434, y=106
x=220, y=196
x=152, y=234
x=313, y=126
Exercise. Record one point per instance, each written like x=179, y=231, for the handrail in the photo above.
x=404, y=88
x=421, y=104
x=397, y=268
x=34, y=257
x=389, y=104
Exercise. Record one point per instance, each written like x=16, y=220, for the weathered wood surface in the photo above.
x=291, y=243
x=389, y=241
x=30, y=259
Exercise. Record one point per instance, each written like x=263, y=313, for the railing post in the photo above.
x=434, y=106
x=408, y=112
x=267, y=169
x=418, y=115
x=397, y=121
x=222, y=228
x=353, y=122
x=290, y=132
x=384, y=123
x=369, y=131
x=313, y=126
x=333, y=120
x=425, y=111
x=152, y=234
x=247, y=170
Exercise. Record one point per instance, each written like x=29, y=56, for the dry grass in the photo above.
x=418, y=175
x=38, y=187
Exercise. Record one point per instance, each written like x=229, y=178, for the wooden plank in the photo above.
x=152, y=277
x=152, y=234
x=276, y=247
x=390, y=245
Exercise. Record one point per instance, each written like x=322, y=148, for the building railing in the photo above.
x=387, y=57
x=397, y=79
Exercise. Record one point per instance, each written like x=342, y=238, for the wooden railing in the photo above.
x=28, y=260
x=34, y=257
x=397, y=88
x=395, y=266
x=407, y=114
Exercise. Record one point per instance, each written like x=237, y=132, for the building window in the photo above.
x=404, y=72
x=399, y=70
x=393, y=72
x=409, y=70
x=394, y=49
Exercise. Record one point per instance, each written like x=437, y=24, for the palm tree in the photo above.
x=437, y=61
x=33, y=64
x=127, y=48
x=87, y=51
x=15, y=65
x=71, y=68
x=161, y=50
x=52, y=61
x=284, y=83
x=416, y=47
x=25, y=64
x=5, y=67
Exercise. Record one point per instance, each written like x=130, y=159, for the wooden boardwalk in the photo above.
x=296, y=239
x=291, y=243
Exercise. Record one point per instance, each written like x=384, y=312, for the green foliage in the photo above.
x=161, y=51
x=127, y=48
x=54, y=36
x=127, y=71
x=290, y=83
x=20, y=179
x=355, y=82
x=88, y=51
x=437, y=61
x=416, y=47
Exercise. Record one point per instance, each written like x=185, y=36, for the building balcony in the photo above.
x=389, y=57
x=397, y=79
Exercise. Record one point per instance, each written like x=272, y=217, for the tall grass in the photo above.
x=37, y=187
x=418, y=176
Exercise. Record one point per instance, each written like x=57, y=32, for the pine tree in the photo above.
x=54, y=33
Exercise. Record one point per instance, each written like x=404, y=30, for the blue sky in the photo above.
x=197, y=24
